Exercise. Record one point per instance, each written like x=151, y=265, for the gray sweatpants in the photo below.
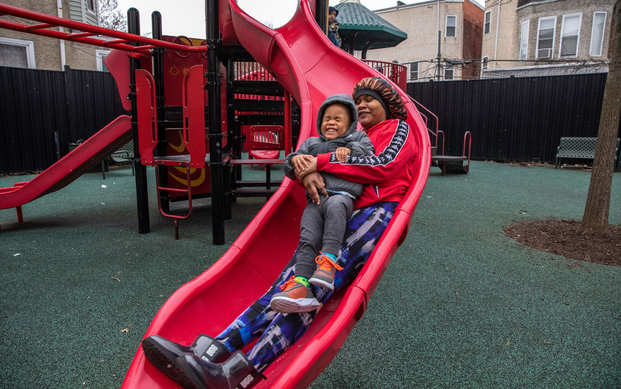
x=322, y=229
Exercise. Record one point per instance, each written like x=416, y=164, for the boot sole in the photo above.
x=286, y=305
x=322, y=283
x=193, y=381
x=163, y=362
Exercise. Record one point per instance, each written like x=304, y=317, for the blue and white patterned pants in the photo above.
x=277, y=332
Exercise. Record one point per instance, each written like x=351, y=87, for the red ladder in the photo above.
x=193, y=131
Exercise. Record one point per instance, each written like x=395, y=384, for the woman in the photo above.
x=208, y=362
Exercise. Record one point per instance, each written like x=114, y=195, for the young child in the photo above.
x=333, y=27
x=323, y=224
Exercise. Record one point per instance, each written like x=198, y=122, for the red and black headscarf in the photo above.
x=382, y=91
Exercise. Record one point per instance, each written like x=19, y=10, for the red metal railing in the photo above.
x=88, y=34
x=435, y=133
x=395, y=72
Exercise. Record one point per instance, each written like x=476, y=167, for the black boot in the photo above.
x=163, y=354
x=234, y=373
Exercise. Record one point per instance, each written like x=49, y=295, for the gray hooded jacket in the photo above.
x=357, y=141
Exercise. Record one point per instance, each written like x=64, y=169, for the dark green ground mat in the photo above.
x=460, y=306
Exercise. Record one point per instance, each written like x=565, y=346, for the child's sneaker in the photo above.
x=295, y=298
x=326, y=269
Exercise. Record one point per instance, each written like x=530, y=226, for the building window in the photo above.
x=485, y=62
x=90, y=5
x=101, y=55
x=413, y=71
x=451, y=23
x=545, y=37
x=570, y=31
x=17, y=53
x=488, y=22
x=448, y=72
x=524, y=40
x=597, y=33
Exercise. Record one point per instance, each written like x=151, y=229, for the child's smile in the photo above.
x=335, y=121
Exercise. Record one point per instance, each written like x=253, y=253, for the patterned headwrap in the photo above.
x=381, y=90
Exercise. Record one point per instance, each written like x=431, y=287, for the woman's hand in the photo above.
x=310, y=168
x=314, y=184
x=300, y=162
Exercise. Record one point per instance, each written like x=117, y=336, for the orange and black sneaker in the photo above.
x=326, y=269
x=294, y=298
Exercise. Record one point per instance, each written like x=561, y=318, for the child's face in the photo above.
x=332, y=16
x=335, y=121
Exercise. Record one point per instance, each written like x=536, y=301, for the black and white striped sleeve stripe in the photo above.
x=388, y=155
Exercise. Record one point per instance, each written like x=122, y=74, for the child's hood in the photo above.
x=348, y=102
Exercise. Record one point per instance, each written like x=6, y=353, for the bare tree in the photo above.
x=110, y=16
x=595, y=220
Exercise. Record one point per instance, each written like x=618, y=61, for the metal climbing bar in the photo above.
x=123, y=39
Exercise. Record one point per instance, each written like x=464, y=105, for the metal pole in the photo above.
x=142, y=195
x=215, y=127
x=439, y=57
x=321, y=15
x=158, y=76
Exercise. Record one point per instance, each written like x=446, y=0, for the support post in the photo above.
x=142, y=195
x=321, y=15
x=439, y=57
x=215, y=123
x=158, y=76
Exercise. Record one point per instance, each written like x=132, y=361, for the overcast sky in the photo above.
x=188, y=17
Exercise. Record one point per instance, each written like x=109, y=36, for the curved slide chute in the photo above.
x=305, y=62
x=79, y=161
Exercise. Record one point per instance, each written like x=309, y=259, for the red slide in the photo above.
x=311, y=69
x=71, y=166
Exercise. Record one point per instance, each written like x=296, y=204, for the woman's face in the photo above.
x=370, y=111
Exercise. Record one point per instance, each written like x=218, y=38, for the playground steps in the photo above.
x=237, y=185
x=453, y=163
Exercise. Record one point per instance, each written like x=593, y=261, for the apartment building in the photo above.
x=18, y=49
x=527, y=37
x=453, y=29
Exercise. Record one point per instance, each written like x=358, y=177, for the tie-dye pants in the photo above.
x=277, y=332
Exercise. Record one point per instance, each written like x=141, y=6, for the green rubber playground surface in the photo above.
x=460, y=306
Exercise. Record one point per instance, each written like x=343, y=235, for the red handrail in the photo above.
x=395, y=72
x=86, y=31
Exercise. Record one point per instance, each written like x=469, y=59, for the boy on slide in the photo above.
x=323, y=223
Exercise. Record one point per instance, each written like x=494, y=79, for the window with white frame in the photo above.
x=597, y=34
x=488, y=22
x=413, y=71
x=524, y=40
x=90, y=6
x=448, y=72
x=17, y=53
x=570, y=33
x=101, y=55
x=451, y=24
x=485, y=62
x=545, y=37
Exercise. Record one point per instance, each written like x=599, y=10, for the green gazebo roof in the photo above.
x=355, y=17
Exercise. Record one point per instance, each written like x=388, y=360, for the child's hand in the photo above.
x=342, y=153
x=301, y=162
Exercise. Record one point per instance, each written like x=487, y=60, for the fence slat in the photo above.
x=36, y=104
x=514, y=119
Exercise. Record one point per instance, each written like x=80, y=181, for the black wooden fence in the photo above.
x=511, y=119
x=42, y=111
x=514, y=119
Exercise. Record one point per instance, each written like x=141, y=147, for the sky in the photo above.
x=187, y=17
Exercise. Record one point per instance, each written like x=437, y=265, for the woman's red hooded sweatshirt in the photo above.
x=389, y=172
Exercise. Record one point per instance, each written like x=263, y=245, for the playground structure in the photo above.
x=171, y=112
